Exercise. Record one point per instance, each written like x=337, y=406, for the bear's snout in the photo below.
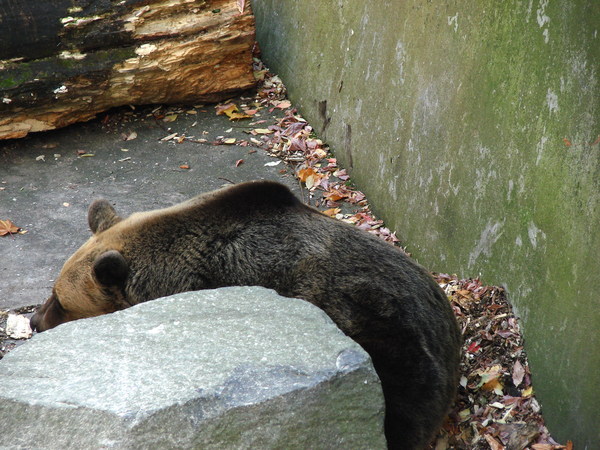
x=34, y=322
x=47, y=316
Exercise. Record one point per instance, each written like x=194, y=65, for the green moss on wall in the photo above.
x=471, y=127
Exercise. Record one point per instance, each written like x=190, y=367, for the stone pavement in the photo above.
x=47, y=181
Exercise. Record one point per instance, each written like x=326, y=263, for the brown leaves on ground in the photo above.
x=292, y=139
x=495, y=408
x=232, y=111
x=7, y=227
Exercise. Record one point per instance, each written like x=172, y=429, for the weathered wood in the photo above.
x=61, y=64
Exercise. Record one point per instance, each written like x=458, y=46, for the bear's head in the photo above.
x=92, y=281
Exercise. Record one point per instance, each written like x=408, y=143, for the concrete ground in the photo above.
x=47, y=181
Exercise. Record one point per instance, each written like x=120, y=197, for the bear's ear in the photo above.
x=101, y=216
x=111, y=269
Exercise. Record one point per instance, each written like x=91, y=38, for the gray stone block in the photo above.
x=237, y=367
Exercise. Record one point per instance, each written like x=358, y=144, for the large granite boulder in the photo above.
x=237, y=367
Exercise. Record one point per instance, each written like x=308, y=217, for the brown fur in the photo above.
x=258, y=233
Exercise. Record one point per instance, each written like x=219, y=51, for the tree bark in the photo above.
x=61, y=64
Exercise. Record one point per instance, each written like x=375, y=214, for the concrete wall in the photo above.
x=472, y=127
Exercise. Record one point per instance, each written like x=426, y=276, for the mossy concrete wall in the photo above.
x=472, y=127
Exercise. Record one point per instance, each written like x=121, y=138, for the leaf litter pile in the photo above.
x=496, y=407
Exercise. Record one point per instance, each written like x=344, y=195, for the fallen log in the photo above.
x=61, y=64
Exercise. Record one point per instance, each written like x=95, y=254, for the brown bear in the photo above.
x=259, y=233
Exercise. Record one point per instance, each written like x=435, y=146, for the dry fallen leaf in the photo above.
x=169, y=137
x=184, y=166
x=491, y=379
x=7, y=227
x=527, y=392
x=341, y=174
x=259, y=75
x=283, y=104
x=226, y=109
x=129, y=137
x=261, y=131
x=231, y=111
x=473, y=347
x=493, y=385
x=334, y=195
x=331, y=212
x=237, y=116
x=239, y=162
x=518, y=435
x=303, y=174
x=494, y=444
x=464, y=414
x=518, y=373
x=273, y=163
